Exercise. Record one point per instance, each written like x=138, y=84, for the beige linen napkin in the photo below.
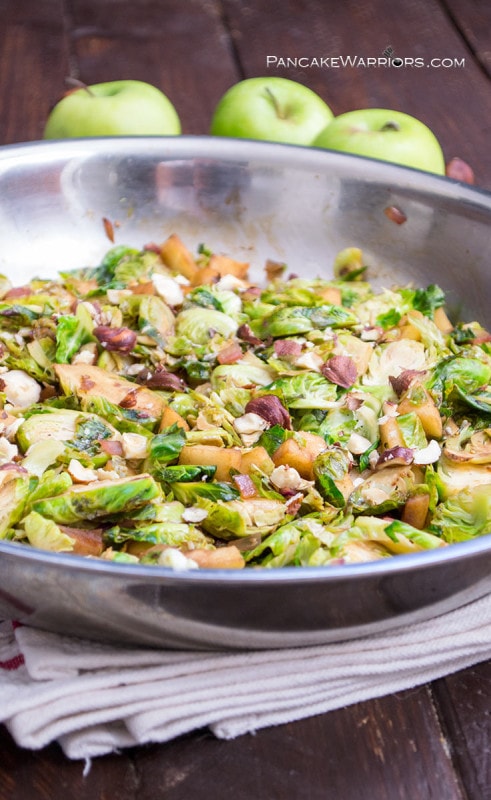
x=95, y=698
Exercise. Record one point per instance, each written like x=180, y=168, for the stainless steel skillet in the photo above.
x=255, y=201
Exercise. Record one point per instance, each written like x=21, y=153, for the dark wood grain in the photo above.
x=431, y=743
x=472, y=20
x=394, y=744
x=33, y=64
x=414, y=29
x=464, y=704
x=180, y=47
x=48, y=775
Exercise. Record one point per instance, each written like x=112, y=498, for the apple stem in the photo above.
x=391, y=126
x=76, y=84
x=276, y=105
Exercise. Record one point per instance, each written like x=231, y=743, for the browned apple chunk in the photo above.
x=86, y=542
x=177, y=257
x=224, y=458
x=85, y=380
x=223, y=558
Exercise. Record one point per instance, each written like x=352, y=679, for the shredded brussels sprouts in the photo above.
x=162, y=402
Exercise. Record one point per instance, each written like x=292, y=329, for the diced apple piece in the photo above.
x=224, y=458
x=407, y=329
x=311, y=442
x=331, y=295
x=178, y=258
x=171, y=417
x=345, y=486
x=390, y=434
x=257, y=457
x=419, y=401
x=228, y=557
x=205, y=276
x=225, y=265
x=86, y=542
x=300, y=453
x=85, y=380
x=441, y=320
x=135, y=548
x=148, y=287
x=415, y=510
x=82, y=287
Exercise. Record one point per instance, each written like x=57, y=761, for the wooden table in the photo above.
x=433, y=741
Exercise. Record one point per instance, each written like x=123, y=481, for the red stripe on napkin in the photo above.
x=12, y=663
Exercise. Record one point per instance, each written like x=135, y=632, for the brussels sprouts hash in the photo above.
x=162, y=409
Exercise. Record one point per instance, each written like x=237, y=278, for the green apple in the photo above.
x=272, y=109
x=386, y=135
x=116, y=108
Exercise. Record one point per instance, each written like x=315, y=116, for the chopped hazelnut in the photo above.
x=271, y=409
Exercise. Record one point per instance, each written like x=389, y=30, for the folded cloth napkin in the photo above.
x=96, y=698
